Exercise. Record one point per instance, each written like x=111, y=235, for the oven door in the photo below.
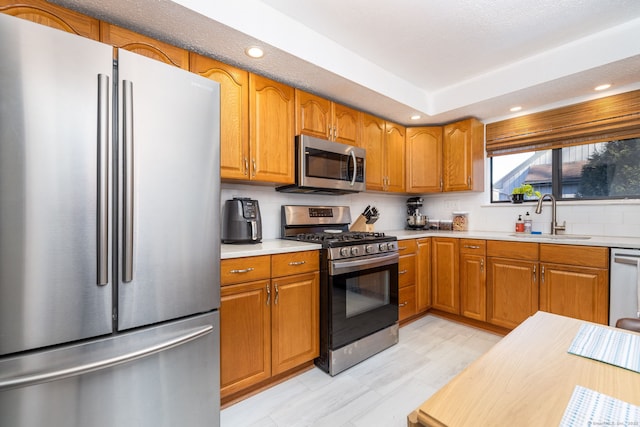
x=363, y=297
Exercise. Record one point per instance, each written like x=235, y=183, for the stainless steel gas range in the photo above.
x=358, y=284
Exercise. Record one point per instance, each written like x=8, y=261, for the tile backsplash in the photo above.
x=610, y=218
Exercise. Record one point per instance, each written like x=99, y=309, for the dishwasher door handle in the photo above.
x=627, y=259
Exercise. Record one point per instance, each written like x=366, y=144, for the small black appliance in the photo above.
x=241, y=221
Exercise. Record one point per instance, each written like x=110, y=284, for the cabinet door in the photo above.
x=473, y=298
x=373, y=135
x=143, y=45
x=406, y=285
x=295, y=321
x=463, y=159
x=424, y=159
x=271, y=134
x=445, y=274
x=234, y=114
x=245, y=336
x=313, y=115
x=512, y=291
x=45, y=13
x=423, y=275
x=347, y=124
x=579, y=292
x=394, y=150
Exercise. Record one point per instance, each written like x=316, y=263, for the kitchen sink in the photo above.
x=550, y=236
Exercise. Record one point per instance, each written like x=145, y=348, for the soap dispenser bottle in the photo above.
x=519, y=225
x=527, y=223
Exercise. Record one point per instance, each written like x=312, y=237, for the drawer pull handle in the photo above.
x=403, y=304
x=471, y=247
x=297, y=262
x=246, y=270
x=402, y=248
x=402, y=271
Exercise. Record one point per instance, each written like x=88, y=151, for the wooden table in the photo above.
x=526, y=379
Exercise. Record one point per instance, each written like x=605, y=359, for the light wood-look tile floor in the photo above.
x=381, y=391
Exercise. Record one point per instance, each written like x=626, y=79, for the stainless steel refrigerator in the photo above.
x=109, y=236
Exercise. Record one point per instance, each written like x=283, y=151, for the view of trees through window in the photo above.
x=603, y=170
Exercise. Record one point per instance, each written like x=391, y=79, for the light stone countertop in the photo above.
x=267, y=247
x=612, y=242
x=278, y=246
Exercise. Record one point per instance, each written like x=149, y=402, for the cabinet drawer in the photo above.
x=513, y=250
x=406, y=247
x=406, y=302
x=294, y=263
x=406, y=270
x=586, y=256
x=473, y=246
x=242, y=270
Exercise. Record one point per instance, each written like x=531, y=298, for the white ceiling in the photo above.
x=443, y=59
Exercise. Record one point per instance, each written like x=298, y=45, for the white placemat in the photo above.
x=612, y=346
x=589, y=408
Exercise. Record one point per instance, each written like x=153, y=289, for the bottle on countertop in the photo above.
x=527, y=223
x=519, y=225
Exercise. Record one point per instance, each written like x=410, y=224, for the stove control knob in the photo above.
x=368, y=249
x=354, y=251
x=383, y=246
x=391, y=246
x=344, y=251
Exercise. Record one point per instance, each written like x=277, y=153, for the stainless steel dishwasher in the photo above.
x=624, y=284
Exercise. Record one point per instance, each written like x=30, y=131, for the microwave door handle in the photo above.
x=355, y=165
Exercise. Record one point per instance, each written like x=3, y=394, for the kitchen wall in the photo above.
x=610, y=218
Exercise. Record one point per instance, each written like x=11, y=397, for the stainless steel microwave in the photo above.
x=327, y=167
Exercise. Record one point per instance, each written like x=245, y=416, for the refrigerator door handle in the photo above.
x=42, y=376
x=103, y=179
x=127, y=125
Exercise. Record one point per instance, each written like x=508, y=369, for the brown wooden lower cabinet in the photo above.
x=574, y=281
x=407, y=279
x=267, y=326
x=473, y=279
x=512, y=291
x=423, y=274
x=294, y=321
x=245, y=338
x=445, y=274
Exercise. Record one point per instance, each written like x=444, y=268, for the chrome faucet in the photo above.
x=554, y=224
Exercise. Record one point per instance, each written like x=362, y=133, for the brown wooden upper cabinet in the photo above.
x=319, y=117
x=463, y=156
x=45, y=13
x=424, y=159
x=271, y=130
x=143, y=45
x=234, y=114
x=384, y=142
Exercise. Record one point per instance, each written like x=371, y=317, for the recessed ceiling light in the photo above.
x=416, y=117
x=254, y=52
x=514, y=109
x=602, y=87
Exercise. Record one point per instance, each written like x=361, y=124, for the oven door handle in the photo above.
x=348, y=266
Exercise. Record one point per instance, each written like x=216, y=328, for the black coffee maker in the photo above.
x=415, y=219
x=241, y=221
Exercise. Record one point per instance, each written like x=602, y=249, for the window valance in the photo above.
x=605, y=119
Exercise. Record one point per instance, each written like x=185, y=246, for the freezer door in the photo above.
x=54, y=186
x=162, y=376
x=169, y=248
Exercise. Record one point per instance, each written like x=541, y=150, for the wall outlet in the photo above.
x=451, y=204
